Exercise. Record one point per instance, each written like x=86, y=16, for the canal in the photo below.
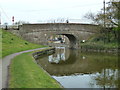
x=76, y=69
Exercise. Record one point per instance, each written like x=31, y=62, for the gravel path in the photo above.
x=4, y=67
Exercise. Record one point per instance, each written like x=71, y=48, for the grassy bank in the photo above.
x=11, y=44
x=99, y=43
x=25, y=73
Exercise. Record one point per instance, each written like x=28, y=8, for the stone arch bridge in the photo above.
x=40, y=33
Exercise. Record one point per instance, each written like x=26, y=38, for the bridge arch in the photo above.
x=71, y=37
x=72, y=40
x=75, y=32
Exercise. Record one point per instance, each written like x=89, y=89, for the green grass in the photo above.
x=97, y=43
x=11, y=44
x=25, y=73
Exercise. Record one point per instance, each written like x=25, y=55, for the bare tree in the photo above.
x=112, y=12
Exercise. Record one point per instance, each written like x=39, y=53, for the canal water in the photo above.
x=76, y=69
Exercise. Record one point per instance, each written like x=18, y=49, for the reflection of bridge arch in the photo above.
x=68, y=57
x=82, y=63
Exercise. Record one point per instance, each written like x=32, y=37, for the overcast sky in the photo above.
x=38, y=11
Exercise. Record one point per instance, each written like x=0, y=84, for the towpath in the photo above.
x=4, y=64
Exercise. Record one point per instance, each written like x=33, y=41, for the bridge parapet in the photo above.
x=60, y=27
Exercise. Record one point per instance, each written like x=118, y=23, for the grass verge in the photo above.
x=12, y=44
x=99, y=46
x=25, y=73
x=99, y=42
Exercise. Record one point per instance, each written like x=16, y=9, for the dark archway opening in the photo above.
x=66, y=40
x=72, y=40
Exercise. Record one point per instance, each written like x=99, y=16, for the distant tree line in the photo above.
x=58, y=20
x=21, y=22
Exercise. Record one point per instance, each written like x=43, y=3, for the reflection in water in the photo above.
x=108, y=78
x=74, y=69
x=57, y=57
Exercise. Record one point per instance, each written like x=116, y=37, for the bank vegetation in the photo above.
x=109, y=22
x=10, y=43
